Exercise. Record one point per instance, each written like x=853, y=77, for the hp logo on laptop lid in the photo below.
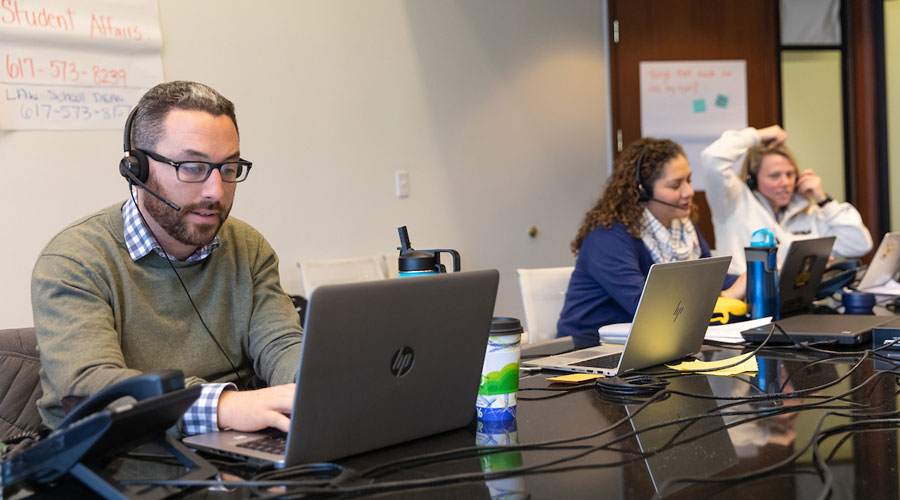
x=678, y=310
x=402, y=361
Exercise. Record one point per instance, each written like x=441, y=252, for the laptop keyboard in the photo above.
x=609, y=362
x=274, y=443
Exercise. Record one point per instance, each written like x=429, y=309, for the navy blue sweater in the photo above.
x=607, y=282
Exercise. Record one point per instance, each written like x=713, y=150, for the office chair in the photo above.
x=543, y=295
x=333, y=271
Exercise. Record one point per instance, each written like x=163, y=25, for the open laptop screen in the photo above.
x=802, y=273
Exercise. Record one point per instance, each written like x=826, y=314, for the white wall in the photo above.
x=498, y=109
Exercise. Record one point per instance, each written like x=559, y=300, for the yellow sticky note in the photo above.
x=748, y=366
x=574, y=378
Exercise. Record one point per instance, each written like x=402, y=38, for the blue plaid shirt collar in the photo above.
x=139, y=241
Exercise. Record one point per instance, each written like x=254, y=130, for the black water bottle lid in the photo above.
x=506, y=326
x=416, y=261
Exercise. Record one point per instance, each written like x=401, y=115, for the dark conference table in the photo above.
x=859, y=462
x=857, y=454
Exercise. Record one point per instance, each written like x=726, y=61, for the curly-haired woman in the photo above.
x=643, y=218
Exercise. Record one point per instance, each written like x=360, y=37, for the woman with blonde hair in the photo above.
x=642, y=218
x=772, y=193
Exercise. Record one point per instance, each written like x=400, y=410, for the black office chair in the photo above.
x=300, y=305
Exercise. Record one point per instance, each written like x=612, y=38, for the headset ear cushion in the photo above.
x=751, y=181
x=125, y=166
x=136, y=163
x=643, y=195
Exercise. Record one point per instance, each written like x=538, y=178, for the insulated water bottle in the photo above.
x=762, y=289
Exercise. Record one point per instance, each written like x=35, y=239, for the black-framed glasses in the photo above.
x=199, y=171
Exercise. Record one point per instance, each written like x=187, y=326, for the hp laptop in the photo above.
x=382, y=362
x=670, y=322
x=885, y=263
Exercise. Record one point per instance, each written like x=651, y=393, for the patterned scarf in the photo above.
x=674, y=244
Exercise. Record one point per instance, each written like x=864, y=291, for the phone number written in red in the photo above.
x=26, y=69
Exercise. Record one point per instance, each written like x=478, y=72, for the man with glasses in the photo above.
x=166, y=280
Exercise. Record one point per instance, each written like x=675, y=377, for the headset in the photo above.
x=135, y=161
x=754, y=185
x=135, y=167
x=644, y=193
x=751, y=180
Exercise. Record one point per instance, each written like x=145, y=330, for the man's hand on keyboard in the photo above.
x=255, y=410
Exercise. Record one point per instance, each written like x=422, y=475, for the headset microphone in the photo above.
x=133, y=179
x=666, y=203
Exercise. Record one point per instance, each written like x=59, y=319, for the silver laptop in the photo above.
x=670, y=322
x=382, y=362
x=885, y=263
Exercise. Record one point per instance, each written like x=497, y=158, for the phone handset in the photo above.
x=139, y=387
x=92, y=435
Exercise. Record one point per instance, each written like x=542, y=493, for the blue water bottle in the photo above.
x=421, y=262
x=762, y=289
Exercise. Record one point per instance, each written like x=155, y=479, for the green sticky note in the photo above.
x=699, y=105
x=722, y=101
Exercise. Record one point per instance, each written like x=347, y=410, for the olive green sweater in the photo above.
x=101, y=317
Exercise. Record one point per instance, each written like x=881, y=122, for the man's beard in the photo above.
x=173, y=222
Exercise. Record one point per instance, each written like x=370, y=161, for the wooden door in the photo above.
x=673, y=30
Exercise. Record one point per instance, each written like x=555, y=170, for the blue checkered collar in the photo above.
x=139, y=241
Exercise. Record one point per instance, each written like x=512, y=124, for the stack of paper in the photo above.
x=732, y=331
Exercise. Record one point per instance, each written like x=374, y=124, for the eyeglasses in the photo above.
x=199, y=171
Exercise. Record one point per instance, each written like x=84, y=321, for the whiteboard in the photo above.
x=692, y=102
x=77, y=66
